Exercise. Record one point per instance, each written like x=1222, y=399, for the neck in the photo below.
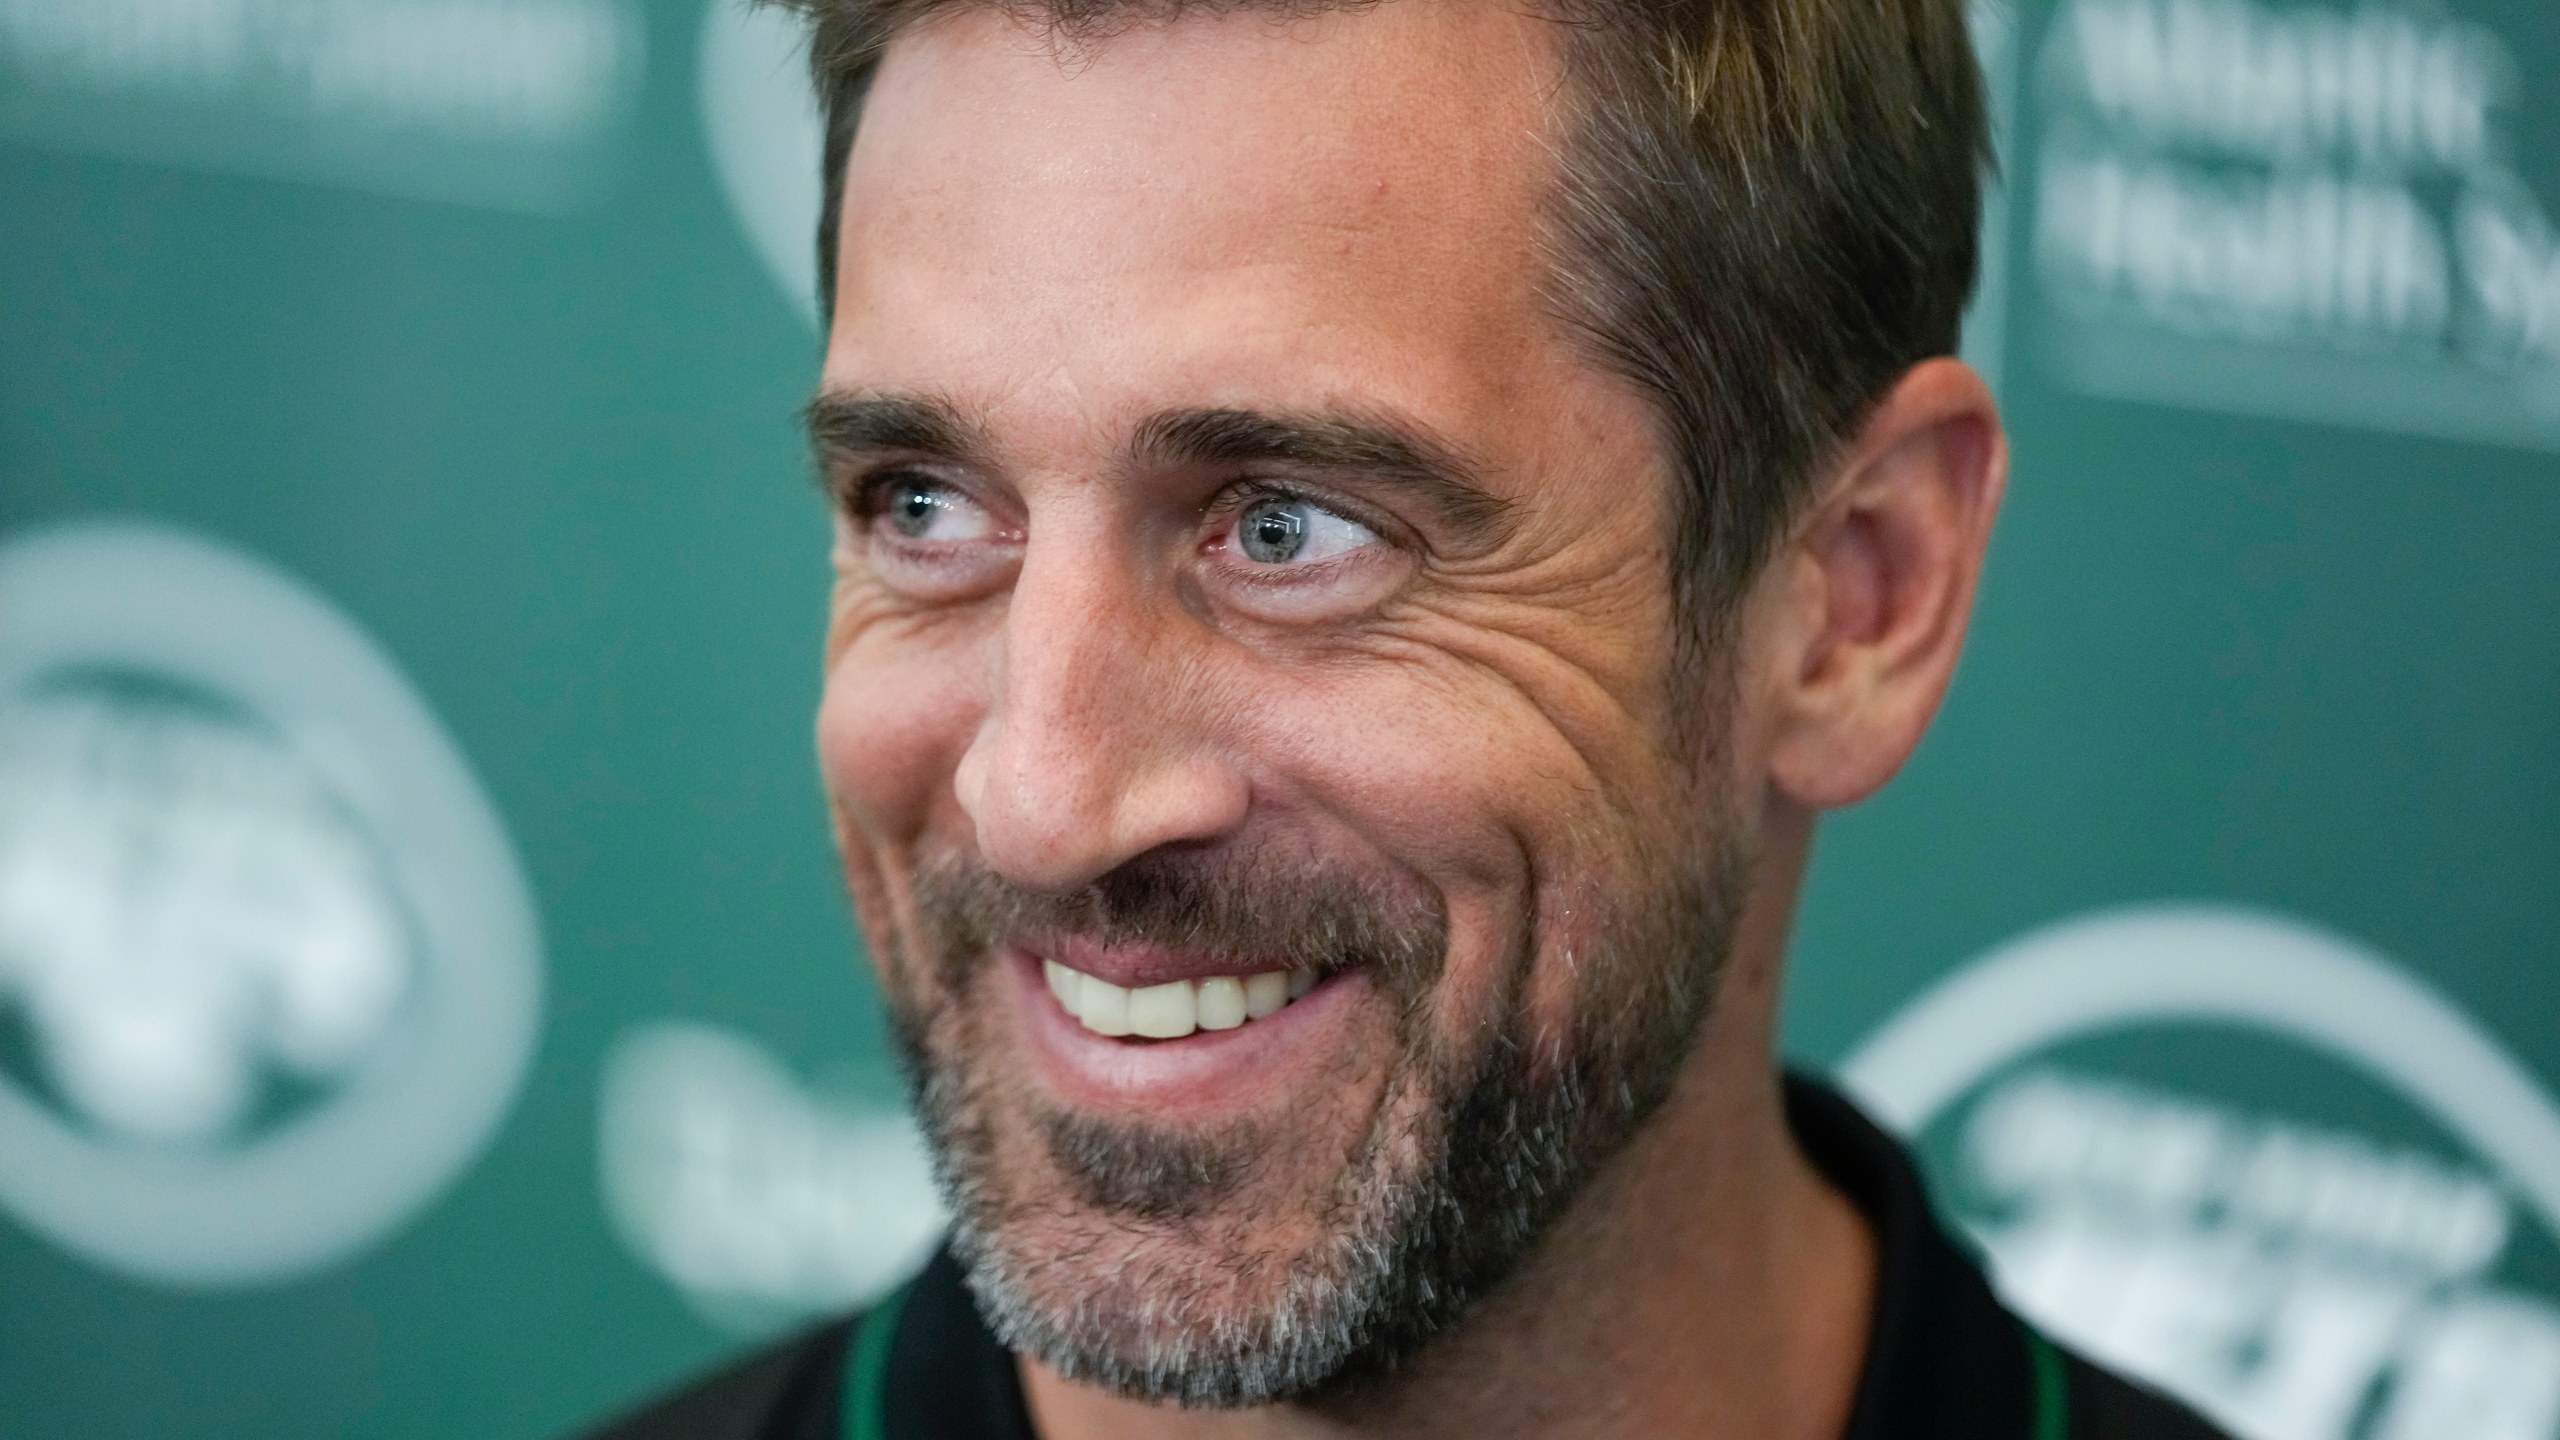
x=1708, y=1284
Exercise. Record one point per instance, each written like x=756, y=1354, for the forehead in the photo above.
x=1212, y=210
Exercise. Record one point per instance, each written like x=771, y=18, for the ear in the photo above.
x=1873, y=588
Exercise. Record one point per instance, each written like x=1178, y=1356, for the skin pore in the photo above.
x=1214, y=479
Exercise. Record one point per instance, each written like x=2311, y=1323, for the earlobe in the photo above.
x=1876, y=585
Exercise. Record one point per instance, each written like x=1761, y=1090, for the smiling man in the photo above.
x=1366, y=534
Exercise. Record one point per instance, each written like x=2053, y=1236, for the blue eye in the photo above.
x=1281, y=531
x=921, y=509
x=1273, y=531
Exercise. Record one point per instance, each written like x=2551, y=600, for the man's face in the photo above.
x=1250, y=630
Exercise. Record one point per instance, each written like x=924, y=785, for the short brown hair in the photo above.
x=1770, y=214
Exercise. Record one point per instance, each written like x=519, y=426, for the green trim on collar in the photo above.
x=867, y=1368
x=2053, y=1389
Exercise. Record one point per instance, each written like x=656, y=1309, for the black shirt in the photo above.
x=1944, y=1360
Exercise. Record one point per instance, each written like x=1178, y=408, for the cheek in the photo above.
x=1463, y=785
x=1531, y=819
x=1476, y=759
x=897, y=713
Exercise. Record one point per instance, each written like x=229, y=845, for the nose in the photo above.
x=1094, y=749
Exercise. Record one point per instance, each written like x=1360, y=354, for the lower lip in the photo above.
x=1204, y=1072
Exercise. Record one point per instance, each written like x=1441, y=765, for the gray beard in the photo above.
x=1430, y=1215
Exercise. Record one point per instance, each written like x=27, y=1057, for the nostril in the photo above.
x=969, y=777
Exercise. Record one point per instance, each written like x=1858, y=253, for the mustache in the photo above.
x=1252, y=908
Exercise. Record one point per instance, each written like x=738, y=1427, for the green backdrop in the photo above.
x=409, y=606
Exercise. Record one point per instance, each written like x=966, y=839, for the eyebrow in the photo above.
x=1342, y=442
x=850, y=427
x=845, y=427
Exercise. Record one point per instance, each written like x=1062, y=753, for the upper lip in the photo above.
x=1139, y=965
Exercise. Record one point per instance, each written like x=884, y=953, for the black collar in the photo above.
x=1943, y=1357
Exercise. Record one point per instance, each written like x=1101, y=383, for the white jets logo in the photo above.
x=267, y=967
x=2298, y=1280
x=182, y=904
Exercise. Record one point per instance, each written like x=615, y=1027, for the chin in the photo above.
x=1297, y=1202
x=1222, y=1310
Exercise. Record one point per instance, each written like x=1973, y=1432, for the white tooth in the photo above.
x=1265, y=993
x=1163, y=1012
x=1222, y=1003
x=1300, y=982
x=1062, y=983
x=1102, y=1006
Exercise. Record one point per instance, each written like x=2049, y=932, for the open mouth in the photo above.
x=1176, y=1008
